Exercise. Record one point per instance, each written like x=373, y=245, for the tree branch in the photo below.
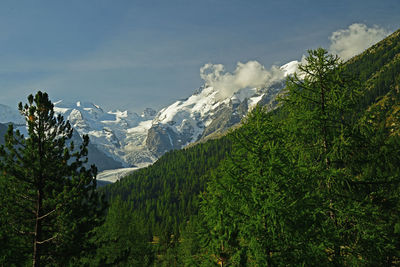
x=47, y=240
x=47, y=214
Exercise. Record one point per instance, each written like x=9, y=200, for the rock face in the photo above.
x=225, y=118
x=161, y=139
x=149, y=113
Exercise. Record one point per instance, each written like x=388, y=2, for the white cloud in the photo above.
x=355, y=39
x=250, y=74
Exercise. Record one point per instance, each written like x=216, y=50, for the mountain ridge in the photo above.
x=127, y=139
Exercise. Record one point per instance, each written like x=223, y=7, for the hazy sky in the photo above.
x=136, y=54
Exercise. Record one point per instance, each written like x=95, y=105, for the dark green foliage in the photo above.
x=3, y=131
x=166, y=193
x=375, y=169
x=319, y=124
x=48, y=199
x=122, y=239
x=191, y=250
x=257, y=210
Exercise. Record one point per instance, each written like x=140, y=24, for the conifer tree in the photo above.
x=280, y=188
x=350, y=157
x=319, y=102
x=49, y=203
x=257, y=207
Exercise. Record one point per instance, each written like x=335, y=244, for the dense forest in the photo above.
x=314, y=182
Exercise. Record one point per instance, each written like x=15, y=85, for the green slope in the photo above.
x=378, y=68
x=166, y=193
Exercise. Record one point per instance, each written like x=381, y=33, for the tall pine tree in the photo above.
x=258, y=210
x=353, y=157
x=319, y=104
x=49, y=204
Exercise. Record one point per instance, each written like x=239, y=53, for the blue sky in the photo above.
x=137, y=54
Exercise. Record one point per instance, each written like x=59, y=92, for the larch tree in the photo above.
x=49, y=202
x=319, y=102
x=282, y=185
x=350, y=157
x=257, y=208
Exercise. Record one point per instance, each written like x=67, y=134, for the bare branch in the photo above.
x=44, y=216
x=47, y=240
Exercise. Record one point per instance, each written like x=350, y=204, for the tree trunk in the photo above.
x=38, y=229
x=326, y=147
x=39, y=200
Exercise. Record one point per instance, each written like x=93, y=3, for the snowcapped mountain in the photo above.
x=119, y=134
x=117, y=138
x=186, y=121
x=8, y=114
x=126, y=139
x=205, y=113
x=290, y=68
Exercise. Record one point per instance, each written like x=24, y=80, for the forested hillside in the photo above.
x=378, y=68
x=166, y=193
x=313, y=181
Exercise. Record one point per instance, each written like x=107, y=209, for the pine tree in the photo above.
x=319, y=104
x=350, y=157
x=49, y=203
x=258, y=208
x=279, y=191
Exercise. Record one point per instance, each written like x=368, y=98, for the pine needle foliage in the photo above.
x=49, y=204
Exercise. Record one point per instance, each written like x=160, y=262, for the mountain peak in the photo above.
x=290, y=68
x=148, y=112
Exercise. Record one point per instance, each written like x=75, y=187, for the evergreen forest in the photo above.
x=314, y=182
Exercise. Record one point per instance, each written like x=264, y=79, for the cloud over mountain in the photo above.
x=249, y=74
x=349, y=42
